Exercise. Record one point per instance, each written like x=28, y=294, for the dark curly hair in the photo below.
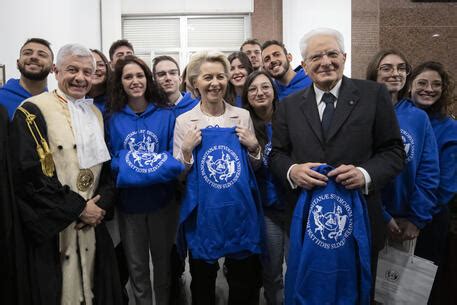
x=118, y=97
x=444, y=105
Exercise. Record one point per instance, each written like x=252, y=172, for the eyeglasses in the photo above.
x=422, y=84
x=389, y=69
x=332, y=54
x=254, y=90
x=100, y=65
x=163, y=74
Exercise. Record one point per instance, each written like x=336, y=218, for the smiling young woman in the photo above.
x=240, y=68
x=141, y=136
x=409, y=200
x=432, y=89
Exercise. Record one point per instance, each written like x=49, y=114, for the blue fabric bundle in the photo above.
x=329, y=257
x=138, y=169
x=140, y=146
x=221, y=212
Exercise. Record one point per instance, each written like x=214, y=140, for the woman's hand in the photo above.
x=248, y=139
x=192, y=138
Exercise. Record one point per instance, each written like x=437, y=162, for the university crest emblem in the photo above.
x=220, y=167
x=408, y=143
x=142, y=155
x=330, y=221
x=392, y=275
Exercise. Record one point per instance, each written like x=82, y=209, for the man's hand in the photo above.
x=92, y=214
x=408, y=229
x=303, y=176
x=393, y=230
x=349, y=176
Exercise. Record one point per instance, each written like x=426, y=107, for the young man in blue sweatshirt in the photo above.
x=34, y=64
x=167, y=75
x=276, y=62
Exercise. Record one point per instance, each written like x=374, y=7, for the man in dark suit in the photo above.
x=346, y=123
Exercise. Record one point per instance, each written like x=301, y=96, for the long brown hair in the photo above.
x=107, y=68
x=118, y=97
x=444, y=105
x=230, y=95
x=373, y=66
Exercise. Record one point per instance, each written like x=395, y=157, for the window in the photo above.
x=181, y=36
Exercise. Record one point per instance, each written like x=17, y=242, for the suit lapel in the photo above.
x=347, y=100
x=309, y=108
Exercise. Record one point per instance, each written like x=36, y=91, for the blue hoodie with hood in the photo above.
x=141, y=158
x=412, y=195
x=185, y=104
x=12, y=94
x=221, y=212
x=299, y=82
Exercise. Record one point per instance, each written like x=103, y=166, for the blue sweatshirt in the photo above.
x=141, y=158
x=329, y=255
x=299, y=82
x=238, y=101
x=100, y=102
x=270, y=189
x=446, y=136
x=186, y=104
x=12, y=94
x=412, y=194
x=221, y=212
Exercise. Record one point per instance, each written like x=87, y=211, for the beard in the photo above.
x=279, y=76
x=36, y=76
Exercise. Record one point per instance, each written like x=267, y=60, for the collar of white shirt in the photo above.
x=335, y=91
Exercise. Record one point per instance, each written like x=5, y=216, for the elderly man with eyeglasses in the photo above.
x=345, y=123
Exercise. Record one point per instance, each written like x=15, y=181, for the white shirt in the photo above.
x=321, y=107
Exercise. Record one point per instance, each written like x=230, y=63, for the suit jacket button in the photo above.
x=351, y=102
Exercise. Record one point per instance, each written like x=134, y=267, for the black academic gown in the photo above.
x=13, y=264
x=46, y=208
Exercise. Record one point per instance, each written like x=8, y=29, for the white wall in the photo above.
x=301, y=16
x=187, y=6
x=58, y=21
x=64, y=21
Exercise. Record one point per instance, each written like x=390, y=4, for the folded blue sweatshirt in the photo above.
x=329, y=255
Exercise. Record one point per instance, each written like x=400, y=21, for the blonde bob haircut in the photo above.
x=199, y=58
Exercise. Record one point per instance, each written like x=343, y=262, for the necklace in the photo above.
x=212, y=115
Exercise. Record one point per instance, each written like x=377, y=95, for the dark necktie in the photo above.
x=329, y=101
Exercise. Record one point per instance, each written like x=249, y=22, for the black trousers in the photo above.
x=431, y=245
x=244, y=278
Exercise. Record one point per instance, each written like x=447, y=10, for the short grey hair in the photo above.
x=320, y=32
x=75, y=49
x=196, y=61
